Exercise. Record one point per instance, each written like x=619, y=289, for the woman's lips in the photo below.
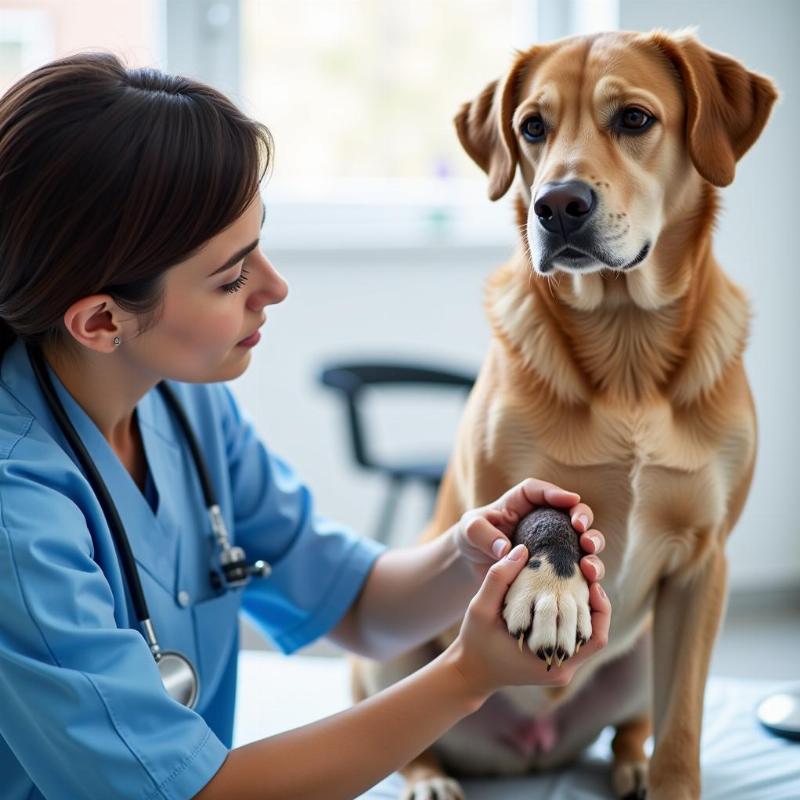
x=251, y=341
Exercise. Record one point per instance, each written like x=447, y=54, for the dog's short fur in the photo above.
x=615, y=370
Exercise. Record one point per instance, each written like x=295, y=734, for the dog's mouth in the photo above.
x=571, y=257
x=575, y=258
x=571, y=254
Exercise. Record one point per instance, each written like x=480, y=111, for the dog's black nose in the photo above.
x=563, y=207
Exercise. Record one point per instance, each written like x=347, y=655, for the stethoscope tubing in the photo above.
x=118, y=532
x=115, y=524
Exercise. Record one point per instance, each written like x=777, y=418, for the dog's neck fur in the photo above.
x=626, y=337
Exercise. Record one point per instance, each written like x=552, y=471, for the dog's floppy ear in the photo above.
x=727, y=106
x=484, y=128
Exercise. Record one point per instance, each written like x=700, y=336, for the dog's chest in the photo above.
x=658, y=483
x=628, y=436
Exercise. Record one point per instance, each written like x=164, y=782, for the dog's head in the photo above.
x=610, y=136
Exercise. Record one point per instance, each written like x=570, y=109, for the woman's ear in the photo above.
x=727, y=106
x=92, y=322
x=484, y=126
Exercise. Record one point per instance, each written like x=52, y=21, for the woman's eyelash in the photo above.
x=234, y=286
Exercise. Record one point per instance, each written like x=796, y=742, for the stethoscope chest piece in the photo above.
x=179, y=677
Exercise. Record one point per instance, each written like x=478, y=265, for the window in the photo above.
x=360, y=96
x=366, y=91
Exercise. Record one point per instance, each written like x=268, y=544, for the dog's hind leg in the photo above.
x=629, y=774
x=425, y=778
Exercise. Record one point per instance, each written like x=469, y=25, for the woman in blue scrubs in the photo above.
x=130, y=215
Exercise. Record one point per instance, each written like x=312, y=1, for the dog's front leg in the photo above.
x=687, y=616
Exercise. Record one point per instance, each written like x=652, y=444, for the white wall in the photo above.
x=427, y=304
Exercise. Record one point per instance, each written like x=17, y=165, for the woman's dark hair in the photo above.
x=108, y=177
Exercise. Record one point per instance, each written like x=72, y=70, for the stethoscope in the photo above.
x=178, y=674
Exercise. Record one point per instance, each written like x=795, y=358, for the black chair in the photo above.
x=352, y=380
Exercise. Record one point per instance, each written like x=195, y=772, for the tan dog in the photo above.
x=615, y=370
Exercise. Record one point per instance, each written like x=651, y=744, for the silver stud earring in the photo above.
x=117, y=341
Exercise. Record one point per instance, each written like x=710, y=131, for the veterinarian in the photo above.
x=137, y=520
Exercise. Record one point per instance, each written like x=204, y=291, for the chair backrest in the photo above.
x=351, y=379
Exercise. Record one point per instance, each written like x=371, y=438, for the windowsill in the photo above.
x=389, y=250
x=407, y=218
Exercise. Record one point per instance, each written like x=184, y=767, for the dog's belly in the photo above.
x=500, y=739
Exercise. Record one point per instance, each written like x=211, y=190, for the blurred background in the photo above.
x=381, y=225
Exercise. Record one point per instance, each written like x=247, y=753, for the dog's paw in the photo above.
x=548, y=610
x=629, y=779
x=433, y=789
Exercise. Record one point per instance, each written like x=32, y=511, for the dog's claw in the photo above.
x=521, y=640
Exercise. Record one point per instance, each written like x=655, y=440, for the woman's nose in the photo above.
x=270, y=287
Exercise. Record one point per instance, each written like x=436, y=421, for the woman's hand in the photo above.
x=487, y=657
x=483, y=534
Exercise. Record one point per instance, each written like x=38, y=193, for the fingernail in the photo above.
x=602, y=591
x=585, y=520
x=498, y=546
x=516, y=553
x=596, y=540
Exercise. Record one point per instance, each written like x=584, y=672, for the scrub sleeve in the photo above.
x=318, y=567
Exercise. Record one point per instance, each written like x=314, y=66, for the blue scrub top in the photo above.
x=82, y=708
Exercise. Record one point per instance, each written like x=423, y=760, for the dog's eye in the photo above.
x=533, y=128
x=634, y=120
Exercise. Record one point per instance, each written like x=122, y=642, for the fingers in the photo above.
x=489, y=531
x=489, y=598
x=525, y=496
x=592, y=568
x=582, y=517
x=485, y=532
x=601, y=621
x=593, y=541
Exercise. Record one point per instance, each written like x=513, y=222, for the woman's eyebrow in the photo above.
x=238, y=256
